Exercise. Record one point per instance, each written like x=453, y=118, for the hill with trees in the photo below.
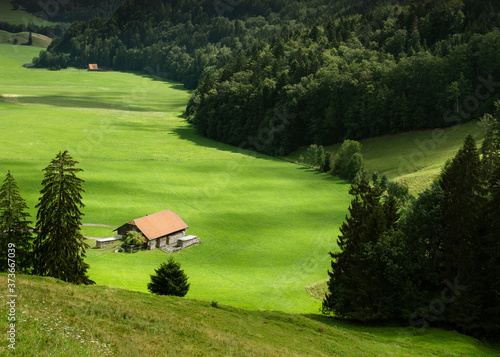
x=69, y=11
x=395, y=69
x=348, y=70
x=185, y=39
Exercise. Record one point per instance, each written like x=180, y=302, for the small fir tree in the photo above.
x=169, y=279
x=14, y=226
x=59, y=246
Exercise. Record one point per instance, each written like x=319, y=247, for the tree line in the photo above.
x=183, y=40
x=437, y=261
x=48, y=31
x=68, y=11
x=397, y=68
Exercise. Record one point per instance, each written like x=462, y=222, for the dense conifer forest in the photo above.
x=69, y=11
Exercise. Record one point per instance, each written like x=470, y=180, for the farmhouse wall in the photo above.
x=187, y=243
x=125, y=228
x=172, y=238
x=99, y=244
x=134, y=248
x=152, y=244
x=162, y=242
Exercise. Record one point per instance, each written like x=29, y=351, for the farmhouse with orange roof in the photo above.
x=164, y=230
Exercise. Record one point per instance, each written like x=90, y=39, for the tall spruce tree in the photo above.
x=59, y=246
x=463, y=257
x=15, y=226
x=490, y=328
x=353, y=291
x=490, y=149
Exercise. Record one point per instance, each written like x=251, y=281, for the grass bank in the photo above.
x=59, y=319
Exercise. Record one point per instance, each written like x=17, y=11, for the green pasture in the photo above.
x=21, y=17
x=22, y=37
x=415, y=158
x=266, y=225
x=61, y=319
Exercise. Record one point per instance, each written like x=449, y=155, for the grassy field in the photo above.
x=22, y=37
x=21, y=17
x=59, y=319
x=266, y=225
x=414, y=158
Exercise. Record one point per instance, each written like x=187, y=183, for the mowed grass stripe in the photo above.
x=267, y=226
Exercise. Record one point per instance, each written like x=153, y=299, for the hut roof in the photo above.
x=159, y=224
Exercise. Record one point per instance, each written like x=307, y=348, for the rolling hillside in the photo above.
x=414, y=158
x=59, y=319
x=22, y=37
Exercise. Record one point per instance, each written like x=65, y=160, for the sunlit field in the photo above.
x=266, y=225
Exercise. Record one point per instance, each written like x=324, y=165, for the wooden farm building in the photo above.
x=93, y=67
x=161, y=229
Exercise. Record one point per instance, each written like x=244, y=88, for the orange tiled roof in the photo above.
x=159, y=224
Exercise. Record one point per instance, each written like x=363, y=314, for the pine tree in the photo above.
x=353, y=291
x=490, y=302
x=14, y=226
x=169, y=279
x=490, y=148
x=59, y=246
x=463, y=258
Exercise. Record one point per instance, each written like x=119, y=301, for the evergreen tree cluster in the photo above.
x=184, y=39
x=69, y=11
x=398, y=68
x=49, y=31
x=437, y=263
x=14, y=226
x=58, y=250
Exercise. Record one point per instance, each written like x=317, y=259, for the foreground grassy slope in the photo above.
x=60, y=319
x=415, y=158
x=266, y=225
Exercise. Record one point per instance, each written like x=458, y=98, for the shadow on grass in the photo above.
x=189, y=133
x=82, y=102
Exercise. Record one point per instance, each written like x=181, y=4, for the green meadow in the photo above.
x=61, y=319
x=22, y=37
x=21, y=17
x=266, y=225
x=414, y=158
